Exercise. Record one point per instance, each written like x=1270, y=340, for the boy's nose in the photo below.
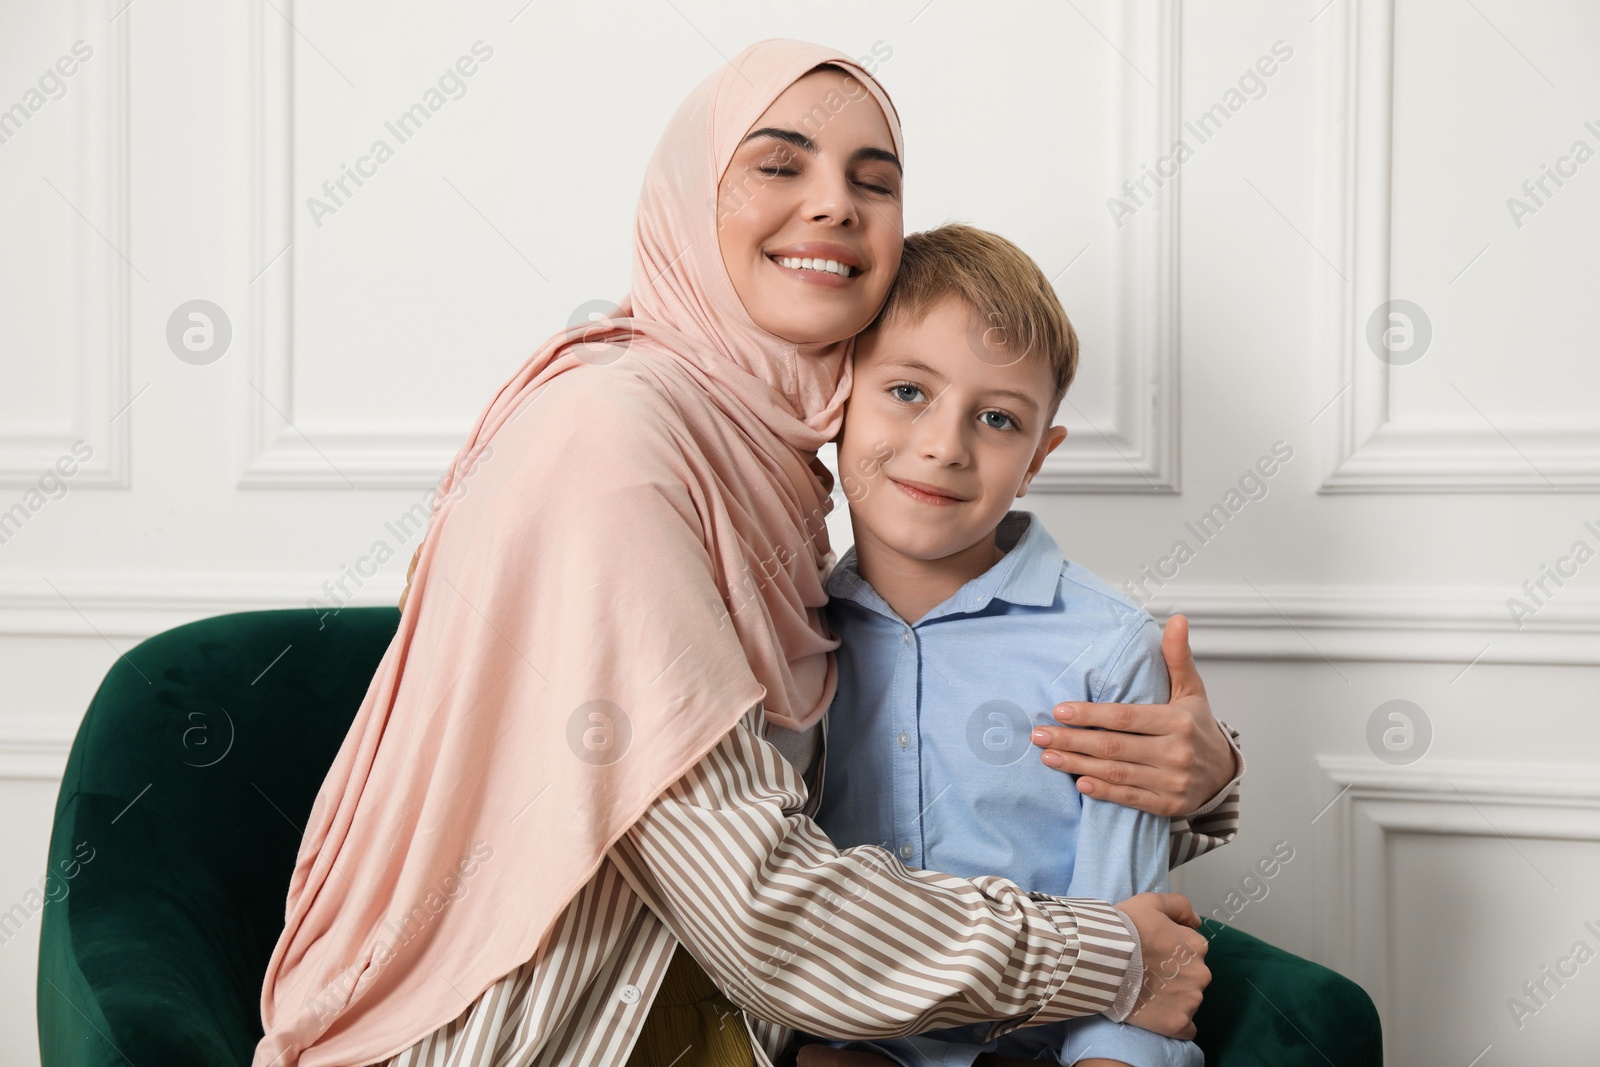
x=942, y=439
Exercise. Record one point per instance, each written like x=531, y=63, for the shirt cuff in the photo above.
x=1132, y=981
x=1091, y=980
x=1222, y=794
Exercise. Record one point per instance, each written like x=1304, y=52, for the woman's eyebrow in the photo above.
x=806, y=144
x=880, y=154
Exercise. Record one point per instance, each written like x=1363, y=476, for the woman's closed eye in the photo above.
x=779, y=170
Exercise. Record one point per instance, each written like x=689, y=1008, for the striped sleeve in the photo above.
x=853, y=944
x=1214, y=823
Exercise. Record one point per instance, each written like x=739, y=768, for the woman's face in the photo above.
x=815, y=178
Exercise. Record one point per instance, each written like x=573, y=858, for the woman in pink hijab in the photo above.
x=592, y=736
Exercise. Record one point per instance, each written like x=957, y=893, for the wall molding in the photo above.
x=1375, y=624
x=1363, y=449
x=1137, y=452
x=1371, y=800
x=95, y=179
x=347, y=454
x=1383, y=624
x=1232, y=622
x=34, y=747
x=135, y=605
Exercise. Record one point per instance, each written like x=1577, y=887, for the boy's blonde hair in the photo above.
x=1000, y=283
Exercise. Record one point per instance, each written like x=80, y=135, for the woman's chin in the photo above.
x=810, y=335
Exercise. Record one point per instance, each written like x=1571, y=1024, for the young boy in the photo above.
x=959, y=618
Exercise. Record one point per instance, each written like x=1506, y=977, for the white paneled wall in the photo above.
x=1231, y=199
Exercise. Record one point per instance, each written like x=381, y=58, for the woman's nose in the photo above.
x=828, y=199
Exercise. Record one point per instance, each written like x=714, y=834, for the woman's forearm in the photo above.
x=854, y=944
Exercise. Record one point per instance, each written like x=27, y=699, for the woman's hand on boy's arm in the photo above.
x=1175, y=973
x=1165, y=759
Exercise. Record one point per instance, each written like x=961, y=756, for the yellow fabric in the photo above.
x=691, y=1023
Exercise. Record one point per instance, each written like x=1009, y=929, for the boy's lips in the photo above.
x=927, y=494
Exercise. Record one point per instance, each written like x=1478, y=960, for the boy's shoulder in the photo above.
x=1130, y=667
x=1080, y=589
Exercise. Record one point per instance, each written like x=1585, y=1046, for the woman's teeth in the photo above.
x=831, y=266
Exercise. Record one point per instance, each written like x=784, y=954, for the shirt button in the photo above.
x=905, y=638
x=904, y=739
x=628, y=994
x=905, y=850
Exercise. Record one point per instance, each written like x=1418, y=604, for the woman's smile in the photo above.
x=815, y=272
x=827, y=264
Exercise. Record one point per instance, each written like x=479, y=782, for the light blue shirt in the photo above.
x=929, y=756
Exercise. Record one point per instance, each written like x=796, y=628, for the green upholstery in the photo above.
x=1269, y=1008
x=191, y=779
x=157, y=951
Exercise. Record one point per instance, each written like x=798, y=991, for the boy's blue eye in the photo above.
x=895, y=389
x=1012, y=422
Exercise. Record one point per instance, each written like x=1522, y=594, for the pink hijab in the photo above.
x=601, y=596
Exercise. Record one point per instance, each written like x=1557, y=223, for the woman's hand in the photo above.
x=1165, y=759
x=1175, y=973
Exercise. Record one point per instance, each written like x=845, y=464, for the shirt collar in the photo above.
x=1028, y=574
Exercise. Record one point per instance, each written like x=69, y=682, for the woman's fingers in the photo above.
x=1125, y=718
x=1129, y=796
x=1180, y=659
x=1114, y=771
x=1120, y=768
x=1131, y=785
x=1177, y=907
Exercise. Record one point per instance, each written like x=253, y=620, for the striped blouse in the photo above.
x=729, y=862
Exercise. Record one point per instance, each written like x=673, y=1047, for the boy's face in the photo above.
x=941, y=405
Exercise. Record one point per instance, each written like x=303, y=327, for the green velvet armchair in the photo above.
x=181, y=811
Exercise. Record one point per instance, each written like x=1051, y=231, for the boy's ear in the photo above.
x=1048, y=444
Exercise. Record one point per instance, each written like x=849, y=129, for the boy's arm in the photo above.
x=1210, y=822
x=1122, y=851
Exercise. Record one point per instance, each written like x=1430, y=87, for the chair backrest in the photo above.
x=177, y=826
